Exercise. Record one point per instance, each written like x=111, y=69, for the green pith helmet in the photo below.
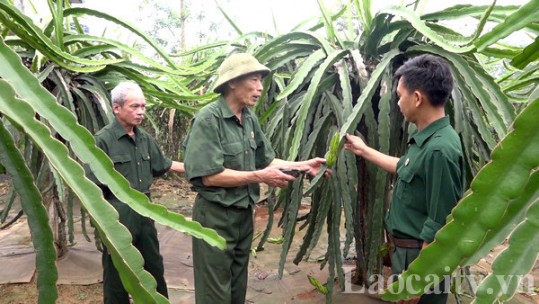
x=237, y=65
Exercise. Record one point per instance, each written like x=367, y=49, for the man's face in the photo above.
x=246, y=90
x=131, y=113
x=407, y=102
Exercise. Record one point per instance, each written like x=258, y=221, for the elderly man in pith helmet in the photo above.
x=226, y=157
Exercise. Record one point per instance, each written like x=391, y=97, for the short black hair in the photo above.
x=429, y=74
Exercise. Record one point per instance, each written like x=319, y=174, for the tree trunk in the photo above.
x=183, y=17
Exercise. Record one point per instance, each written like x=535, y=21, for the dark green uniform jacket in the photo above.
x=138, y=160
x=429, y=183
x=217, y=140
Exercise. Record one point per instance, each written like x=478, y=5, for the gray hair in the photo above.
x=119, y=93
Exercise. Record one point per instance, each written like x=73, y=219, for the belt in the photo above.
x=406, y=243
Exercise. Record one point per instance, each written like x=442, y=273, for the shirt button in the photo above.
x=246, y=151
x=138, y=163
x=140, y=181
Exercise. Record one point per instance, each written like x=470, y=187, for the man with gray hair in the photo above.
x=139, y=159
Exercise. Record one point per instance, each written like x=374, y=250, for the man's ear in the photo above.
x=115, y=108
x=231, y=84
x=419, y=98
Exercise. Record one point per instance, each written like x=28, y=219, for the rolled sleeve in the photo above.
x=203, y=151
x=264, y=152
x=442, y=181
x=160, y=163
x=430, y=227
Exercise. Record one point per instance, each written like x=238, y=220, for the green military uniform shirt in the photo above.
x=217, y=140
x=429, y=183
x=138, y=159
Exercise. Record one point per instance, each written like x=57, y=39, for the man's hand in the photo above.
x=177, y=167
x=311, y=166
x=355, y=144
x=274, y=177
x=314, y=165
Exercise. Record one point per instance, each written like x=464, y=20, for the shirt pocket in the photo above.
x=253, y=144
x=233, y=156
x=250, y=156
x=122, y=163
x=404, y=186
x=144, y=162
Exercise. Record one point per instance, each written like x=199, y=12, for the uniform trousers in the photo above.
x=221, y=276
x=401, y=258
x=145, y=240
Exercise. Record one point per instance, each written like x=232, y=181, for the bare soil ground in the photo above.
x=176, y=195
x=67, y=294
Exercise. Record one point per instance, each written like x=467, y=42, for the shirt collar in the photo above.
x=227, y=112
x=423, y=136
x=119, y=131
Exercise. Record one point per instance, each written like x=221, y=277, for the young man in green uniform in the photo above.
x=430, y=174
x=138, y=158
x=226, y=157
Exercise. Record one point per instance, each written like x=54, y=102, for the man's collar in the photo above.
x=422, y=136
x=119, y=131
x=227, y=112
x=225, y=109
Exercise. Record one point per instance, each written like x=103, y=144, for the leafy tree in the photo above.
x=165, y=24
x=174, y=27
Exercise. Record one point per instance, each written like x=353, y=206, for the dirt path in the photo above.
x=264, y=284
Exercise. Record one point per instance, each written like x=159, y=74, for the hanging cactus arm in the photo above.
x=358, y=110
x=139, y=283
x=31, y=202
x=83, y=145
x=514, y=262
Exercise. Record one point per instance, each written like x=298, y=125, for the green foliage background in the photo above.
x=329, y=77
